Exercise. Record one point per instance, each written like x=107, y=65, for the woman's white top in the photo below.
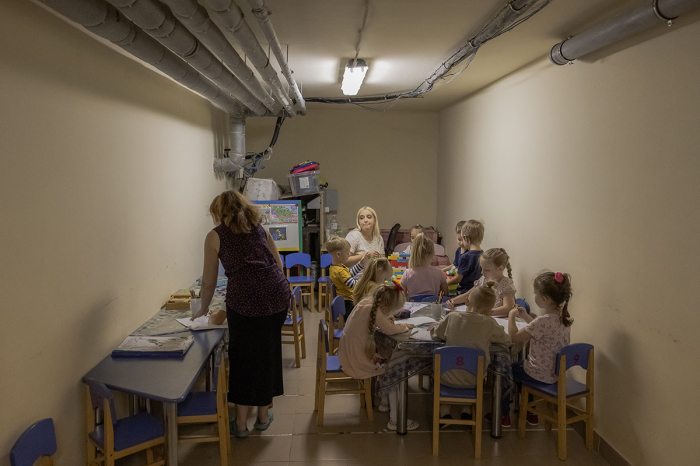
x=359, y=245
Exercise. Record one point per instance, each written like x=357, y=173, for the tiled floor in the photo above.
x=349, y=439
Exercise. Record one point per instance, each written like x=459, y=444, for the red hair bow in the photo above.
x=397, y=285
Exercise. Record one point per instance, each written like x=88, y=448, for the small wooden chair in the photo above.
x=117, y=438
x=306, y=283
x=38, y=441
x=557, y=396
x=450, y=358
x=326, y=260
x=209, y=408
x=328, y=371
x=294, y=326
x=335, y=320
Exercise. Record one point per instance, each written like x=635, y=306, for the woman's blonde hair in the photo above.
x=386, y=296
x=422, y=252
x=369, y=279
x=498, y=257
x=235, y=211
x=375, y=230
x=483, y=298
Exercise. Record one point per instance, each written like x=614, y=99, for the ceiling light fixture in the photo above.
x=354, y=74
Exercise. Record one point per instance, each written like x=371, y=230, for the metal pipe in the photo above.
x=402, y=407
x=262, y=14
x=620, y=27
x=231, y=17
x=237, y=142
x=195, y=18
x=496, y=414
x=154, y=18
x=104, y=20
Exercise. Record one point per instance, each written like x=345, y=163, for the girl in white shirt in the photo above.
x=366, y=237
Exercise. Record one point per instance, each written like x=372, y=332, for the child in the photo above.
x=341, y=276
x=548, y=333
x=378, y=271
x=493, y=262
x=461, y=248
x=421, y=277
x=468, y=269
x=415, y=231
x=356, y=352
x=471, y=329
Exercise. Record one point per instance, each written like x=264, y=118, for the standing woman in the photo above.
x=366, y=237
x=257, y=298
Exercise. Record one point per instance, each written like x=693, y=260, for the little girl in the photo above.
x=549, y=333
x=356, y=352
x=421, y=277
x=377, y=272
x=493, y=262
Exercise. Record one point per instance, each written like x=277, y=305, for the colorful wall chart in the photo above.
x=281, y=219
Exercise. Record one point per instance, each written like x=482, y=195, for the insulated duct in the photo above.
x=620, y=27
x=104, y=20
x=159, y=22
x=262, y=14
x=231, y=17
x=195, y=18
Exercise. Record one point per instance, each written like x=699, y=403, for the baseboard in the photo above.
x=601, y=446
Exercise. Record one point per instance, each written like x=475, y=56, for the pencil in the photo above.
x=439, y=298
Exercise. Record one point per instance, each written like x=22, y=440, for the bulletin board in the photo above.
x=282, y=220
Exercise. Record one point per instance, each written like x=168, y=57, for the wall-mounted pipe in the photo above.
x=195, y=18
x=154, y=18
x=104, y=20
x=231, y=17
x=262, y=14
x=644, y=17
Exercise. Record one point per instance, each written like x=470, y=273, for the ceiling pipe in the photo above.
x=105, y=21
x=195, y=18
x=620, y=27
x=231, y=17
x=154, y=18
x=262, y=14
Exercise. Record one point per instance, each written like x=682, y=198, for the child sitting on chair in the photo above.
x=378, y=271
x=461, y=248
x=471, y=329
x=468, y=267
x=415, y=231
x=421, y=277
x=342, y=277
x=357, y=349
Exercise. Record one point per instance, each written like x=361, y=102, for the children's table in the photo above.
x=163, y=379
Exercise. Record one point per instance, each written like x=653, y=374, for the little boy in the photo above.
x=341, y=276
x=461, y=248
x=415, y=231
x=468, y=268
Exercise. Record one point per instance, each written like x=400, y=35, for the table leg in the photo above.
x=171, y=433
x=496, y=406
x=401, y=408
x=208, y=374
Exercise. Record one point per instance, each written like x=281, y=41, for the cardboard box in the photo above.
x=177, y=303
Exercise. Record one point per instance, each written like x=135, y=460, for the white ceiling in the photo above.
x=406, y=40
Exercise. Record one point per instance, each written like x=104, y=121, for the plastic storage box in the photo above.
x=304, y=182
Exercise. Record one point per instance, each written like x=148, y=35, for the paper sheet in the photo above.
x=414, y=307
x=503, y=322
x=418, y=321
x=419, y=333
x=461, y=308
x=201, y=323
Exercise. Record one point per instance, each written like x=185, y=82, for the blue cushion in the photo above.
x=449, y=392
x=130, y=431
x=332, y=364
x=198, y=404
x=338, y=333
x=288, y=321
x=323, y=279
x=573, y=388
x=301, y=279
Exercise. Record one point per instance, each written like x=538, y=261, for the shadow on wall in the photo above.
x=73, y=57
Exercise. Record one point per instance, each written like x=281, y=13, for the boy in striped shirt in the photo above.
x=342, y=277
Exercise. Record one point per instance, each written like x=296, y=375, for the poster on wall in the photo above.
x=282, y=220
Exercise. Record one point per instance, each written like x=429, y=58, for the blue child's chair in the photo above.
x=326, y=261
x=431, y=298
x=294, y=326
x=335, y=321
x=521, y=302
x=450, y=358
x=559, y=395
x=306, y=283
x=38, y=441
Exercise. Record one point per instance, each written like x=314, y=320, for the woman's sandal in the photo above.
x=411, y=425
x=260, y=426
x=233, y=429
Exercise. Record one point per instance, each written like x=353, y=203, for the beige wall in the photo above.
x=105, y=181
x=593, y=169
x=386, y=160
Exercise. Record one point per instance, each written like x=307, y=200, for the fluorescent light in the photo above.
x=353, y=76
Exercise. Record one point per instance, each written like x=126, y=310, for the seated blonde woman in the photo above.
x=366, y=237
